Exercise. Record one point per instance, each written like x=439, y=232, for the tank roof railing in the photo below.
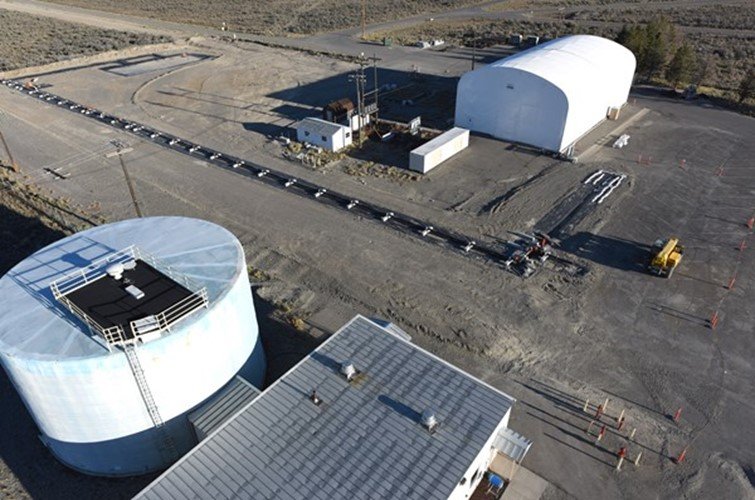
x=94, y=271
x=116, y=335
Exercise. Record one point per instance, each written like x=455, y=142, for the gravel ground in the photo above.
x=27, y=40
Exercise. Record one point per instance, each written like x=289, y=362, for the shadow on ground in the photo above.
x=608, y=251
x=403, y=96
x=284, y=345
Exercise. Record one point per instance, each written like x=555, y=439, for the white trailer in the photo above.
x=435, y=152
x=327, y=135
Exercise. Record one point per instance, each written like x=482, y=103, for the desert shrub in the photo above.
x=27, y=40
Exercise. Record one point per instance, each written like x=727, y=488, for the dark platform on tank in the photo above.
x=108, y=303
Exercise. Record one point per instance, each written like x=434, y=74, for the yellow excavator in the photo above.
x=667, y=254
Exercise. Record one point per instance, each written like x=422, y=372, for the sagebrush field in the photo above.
x=276, y=17
x=27, y=40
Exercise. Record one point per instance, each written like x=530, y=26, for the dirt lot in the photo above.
x=278, y=17
x=27, y=40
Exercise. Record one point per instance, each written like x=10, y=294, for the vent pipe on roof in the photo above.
x=348, y=370
x=429, y=421
x=315, y=398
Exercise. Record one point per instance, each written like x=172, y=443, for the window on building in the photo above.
x=324, y=139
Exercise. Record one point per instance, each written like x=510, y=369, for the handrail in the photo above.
x=82, y=277
x=115, y=334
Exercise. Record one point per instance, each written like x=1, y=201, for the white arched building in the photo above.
x=548, y=96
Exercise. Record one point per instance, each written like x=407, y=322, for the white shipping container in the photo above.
x=433, y=153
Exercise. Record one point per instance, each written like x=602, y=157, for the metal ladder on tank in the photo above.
x=167, y=445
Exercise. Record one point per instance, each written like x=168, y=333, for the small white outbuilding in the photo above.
x=548, y=96
x=327, y=135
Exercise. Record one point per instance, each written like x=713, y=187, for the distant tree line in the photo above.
x=662, y=52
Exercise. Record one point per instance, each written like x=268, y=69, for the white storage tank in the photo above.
x=112, y=335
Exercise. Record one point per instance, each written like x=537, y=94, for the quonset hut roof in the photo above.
x=33, y=324
x=364, y=440
x=548, y=96
x=569, y=62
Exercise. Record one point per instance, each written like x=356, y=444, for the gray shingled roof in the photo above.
x=364, y=440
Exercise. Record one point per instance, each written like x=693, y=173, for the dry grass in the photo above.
x=729, y=56
x=738, y=17
x=257, y=275
x=370, y=169
x=27, y=40
x=272, y=17
x=534, y=4
x=31, y=218
x=482, y=32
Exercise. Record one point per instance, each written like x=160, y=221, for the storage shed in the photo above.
x=548, y=96
x=327, y=135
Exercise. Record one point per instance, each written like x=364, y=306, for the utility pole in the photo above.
x=364, y=18
x=360, y=79
x=474, y=49
x=13, y=164
x=374, y=92
x=130, y=186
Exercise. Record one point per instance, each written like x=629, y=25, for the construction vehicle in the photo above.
x=667, y=254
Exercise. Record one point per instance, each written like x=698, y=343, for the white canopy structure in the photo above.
x=548, y=96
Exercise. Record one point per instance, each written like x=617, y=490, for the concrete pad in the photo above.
x=526, y=486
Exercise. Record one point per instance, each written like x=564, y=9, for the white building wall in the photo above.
x=512, y=105
x=480, y=464
x=305, y=134
x=548, y=96
x=330, y=141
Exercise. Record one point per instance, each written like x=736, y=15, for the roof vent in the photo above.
x=115, y=271
x=429, y=420
x=315, y=398
x=348, y=370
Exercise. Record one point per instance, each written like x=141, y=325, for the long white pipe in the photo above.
x=592, y=176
